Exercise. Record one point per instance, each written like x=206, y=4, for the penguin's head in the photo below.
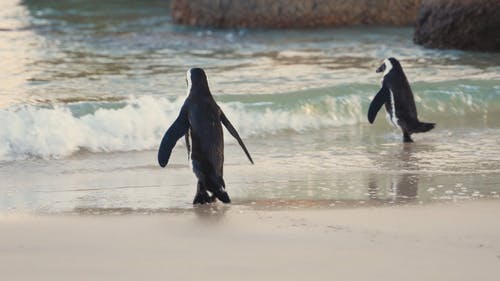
x=388, y=65
x=197, y=79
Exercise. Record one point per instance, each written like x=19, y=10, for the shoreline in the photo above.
x=459, y=241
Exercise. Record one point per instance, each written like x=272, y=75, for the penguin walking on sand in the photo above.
x=399, y=103
x=200, y=121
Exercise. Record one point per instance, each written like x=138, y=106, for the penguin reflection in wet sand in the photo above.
x=397, y=96
x=200, y=119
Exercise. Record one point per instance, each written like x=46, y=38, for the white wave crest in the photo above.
x=56, y=132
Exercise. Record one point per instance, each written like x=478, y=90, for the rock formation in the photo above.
x=293, y=13
x=459, y=24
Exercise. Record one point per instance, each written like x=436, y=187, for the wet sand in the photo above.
x=452, y=241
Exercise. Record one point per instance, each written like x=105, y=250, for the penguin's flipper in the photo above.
x=380, y=98
x=178, y=129
x=235, y=134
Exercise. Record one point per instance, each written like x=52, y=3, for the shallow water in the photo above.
x=88, y=89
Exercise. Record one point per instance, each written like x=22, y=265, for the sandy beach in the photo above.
x=88, y=89
x=453, y=241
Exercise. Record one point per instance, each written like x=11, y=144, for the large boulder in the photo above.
x=293, y=13
x=459, y=24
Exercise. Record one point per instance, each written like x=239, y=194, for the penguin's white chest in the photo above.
x=391, y=114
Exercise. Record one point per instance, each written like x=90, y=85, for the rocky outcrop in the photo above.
x=293, y=13
x=459, y=24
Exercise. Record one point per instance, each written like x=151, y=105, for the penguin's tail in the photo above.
x=424, y=127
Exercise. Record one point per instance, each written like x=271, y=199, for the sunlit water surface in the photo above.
x=89, y=87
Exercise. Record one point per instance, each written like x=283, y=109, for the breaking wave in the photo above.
x=138, y=123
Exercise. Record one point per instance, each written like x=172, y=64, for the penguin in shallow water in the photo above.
x=200, y=121
x=399, y=103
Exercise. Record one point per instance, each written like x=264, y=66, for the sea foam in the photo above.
x=139, y=124
x=56, y=132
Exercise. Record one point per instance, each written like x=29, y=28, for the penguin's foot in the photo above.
x=407, y=138
x=203, y=198
x=222, y=196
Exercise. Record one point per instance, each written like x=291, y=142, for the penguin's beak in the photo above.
x=380, y=68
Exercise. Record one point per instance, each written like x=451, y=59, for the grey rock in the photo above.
x=459, y=24
x=293, y=13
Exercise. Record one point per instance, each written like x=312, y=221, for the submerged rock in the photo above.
x=293, y=13
x=459, y=24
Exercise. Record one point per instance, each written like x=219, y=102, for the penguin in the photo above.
x=399, y=103
x=199, y=121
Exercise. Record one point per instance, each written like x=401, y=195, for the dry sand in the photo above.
x=459, y=241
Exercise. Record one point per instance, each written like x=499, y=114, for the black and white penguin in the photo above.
x=200, y=121
x=399, y=103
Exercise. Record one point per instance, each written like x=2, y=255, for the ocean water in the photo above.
x=88, y=88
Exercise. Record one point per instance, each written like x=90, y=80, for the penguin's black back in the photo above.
x=206, y=135
x=204, y=116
